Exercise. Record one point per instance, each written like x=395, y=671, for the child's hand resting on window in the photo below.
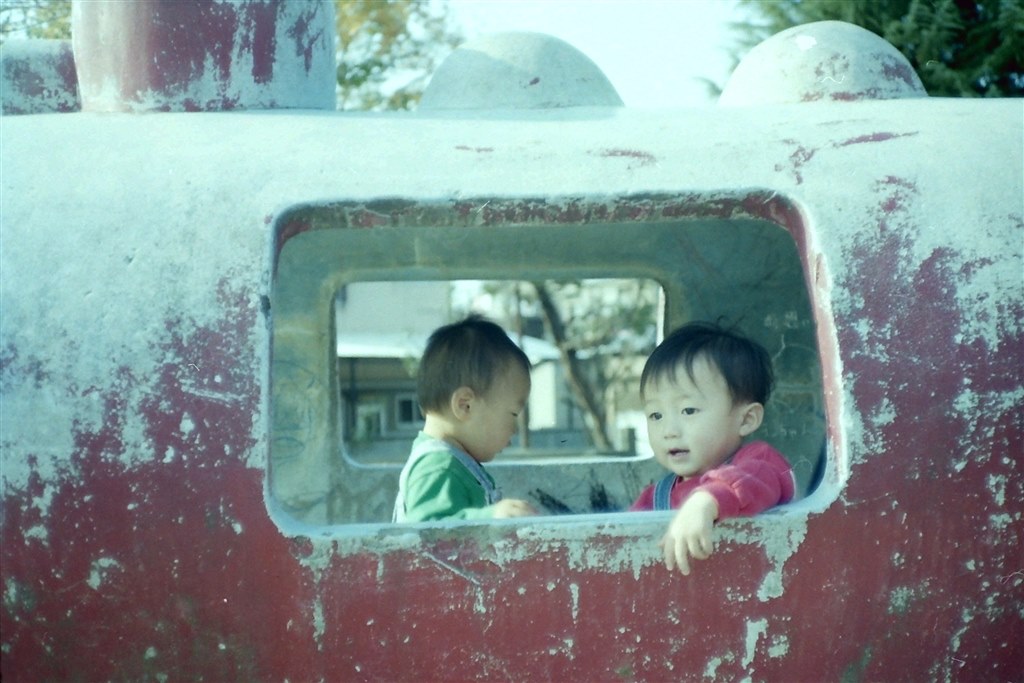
x=513, y=507
x=689, y=534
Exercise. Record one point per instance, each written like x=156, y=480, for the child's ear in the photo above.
x=462, y=399
x=751, y=417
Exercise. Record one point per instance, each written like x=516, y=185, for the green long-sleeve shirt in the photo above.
x=438, y=487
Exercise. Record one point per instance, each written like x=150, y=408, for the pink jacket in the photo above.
x=756, y=478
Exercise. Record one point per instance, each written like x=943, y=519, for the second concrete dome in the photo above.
x=825, y=61
x=518, y=70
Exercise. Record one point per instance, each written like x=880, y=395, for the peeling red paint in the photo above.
x=170, y=56
x=800, y=156
x=895, y=70
x=203, y=383
x=288, y=227
x=565, y=211
x=847, y=96
x=14, y=370
x=368, y=219
x=645, y=158
x=183, y=595
x=262, y=41
x=141, y=547
x=873, y=137
x=307, y=31
x=107, y=441
x=837, y=64
x=894, y=369
x=823, y=61
x=182, y=599
x=896, y=201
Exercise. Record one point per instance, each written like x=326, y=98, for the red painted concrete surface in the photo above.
x=200, y=584
x=138, y=539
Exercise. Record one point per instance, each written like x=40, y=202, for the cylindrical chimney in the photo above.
x=204, y=55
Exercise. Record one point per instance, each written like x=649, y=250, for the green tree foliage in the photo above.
x=35, y=19
x=387, y=50
x=960, y=48
x=603, y=330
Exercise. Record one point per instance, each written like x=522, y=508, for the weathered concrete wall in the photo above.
x=136, y=374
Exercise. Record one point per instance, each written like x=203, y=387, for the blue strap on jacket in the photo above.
x=663, y=492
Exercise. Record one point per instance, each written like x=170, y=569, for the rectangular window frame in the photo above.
x=411, y=241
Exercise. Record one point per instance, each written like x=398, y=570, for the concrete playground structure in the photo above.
x=176, y=504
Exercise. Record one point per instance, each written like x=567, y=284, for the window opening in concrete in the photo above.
x=586, y=340
x=746, y=272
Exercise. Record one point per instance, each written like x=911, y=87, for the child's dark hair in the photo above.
x=745, y=364
x=470, y=353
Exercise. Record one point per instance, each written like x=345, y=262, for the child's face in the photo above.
x=692, y=424
x=494, y=417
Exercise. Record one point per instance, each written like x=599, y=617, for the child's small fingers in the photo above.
x=668, y=554
x=701, y=548
x=682, y=559
x=674, y=554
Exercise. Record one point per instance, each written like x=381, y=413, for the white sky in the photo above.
x=653, y=51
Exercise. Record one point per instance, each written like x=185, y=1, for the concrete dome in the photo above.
x=825, y=61
x=518, y=70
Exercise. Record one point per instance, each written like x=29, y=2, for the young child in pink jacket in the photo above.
x=704, y=391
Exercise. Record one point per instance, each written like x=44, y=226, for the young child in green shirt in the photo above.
x=473, y=383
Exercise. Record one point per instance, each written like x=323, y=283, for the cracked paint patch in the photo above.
x=902, y=597
x=319, y=625
x=872, y=137
x=780, y=536
x=640, y=157
x=711, y=668
x=997, y=485
x=800, y=156
x=779, y=547
x=779, y=646
x=756, y=629
x=100, y=570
